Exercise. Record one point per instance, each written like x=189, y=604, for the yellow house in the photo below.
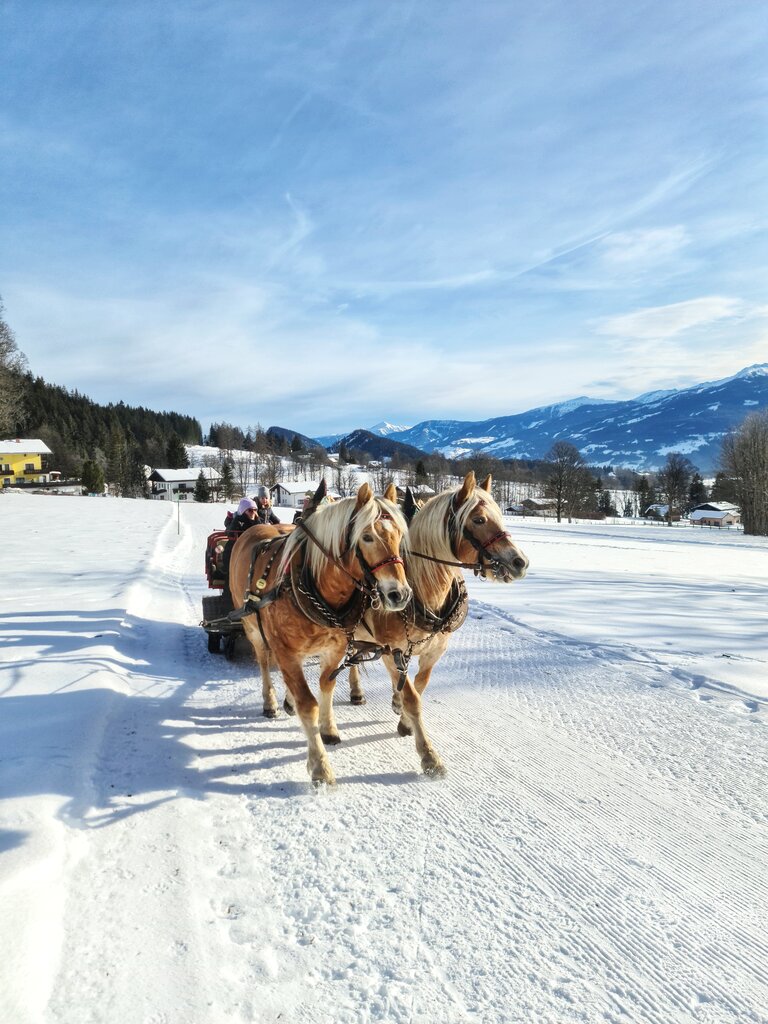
x=21, y=461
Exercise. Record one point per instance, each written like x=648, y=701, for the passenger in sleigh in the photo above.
x=264, y=513
x=247, y=515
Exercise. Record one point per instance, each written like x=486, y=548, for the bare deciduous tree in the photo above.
x=745, y=459
x=673, y=481
x=12, y=367
x=567, y=479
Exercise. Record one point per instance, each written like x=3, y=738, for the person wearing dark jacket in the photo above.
x=247, y=515
x=264, y=514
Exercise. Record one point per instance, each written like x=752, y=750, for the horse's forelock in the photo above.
x=330, y=524
x=429, y=534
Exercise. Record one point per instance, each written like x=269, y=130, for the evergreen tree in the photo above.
x=605, y=504
x=116, y=460
x=628, y=509
x=227, y=480
x=133, y=483
x=176, y=453
x=297, y=445
x=697, y=492
x=92, y=477
x=723, y=488
x=644, y=493
x=202, y=490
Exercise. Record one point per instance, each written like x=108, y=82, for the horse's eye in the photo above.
x=479, y=520
x=368, y=538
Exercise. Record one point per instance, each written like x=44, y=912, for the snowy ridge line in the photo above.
x=624, y=652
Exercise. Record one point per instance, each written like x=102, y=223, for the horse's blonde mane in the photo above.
x=330, y=524
x=429, y=533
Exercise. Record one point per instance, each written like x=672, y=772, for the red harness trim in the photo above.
x=394, y=560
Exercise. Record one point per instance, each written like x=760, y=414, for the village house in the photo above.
x=715, y=513
x=179, y=484
x=21, y=462
x=292, y=493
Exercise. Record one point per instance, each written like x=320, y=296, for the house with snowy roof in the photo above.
x=179, y=484
x=21, y=461
x=292, y=493
x=716, y=513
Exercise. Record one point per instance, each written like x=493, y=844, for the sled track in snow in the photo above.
x=573, y=860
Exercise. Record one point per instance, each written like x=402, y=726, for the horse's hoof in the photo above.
x=433, y=768
x=357, y=699
x=323, y=777
x=330, y=739
x=289, y=708
x=403, y=729
x=270, y=712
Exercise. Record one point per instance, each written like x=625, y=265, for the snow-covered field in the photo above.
x=597, y=852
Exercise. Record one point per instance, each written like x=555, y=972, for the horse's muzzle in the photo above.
x=510, y=567
x=395, y=598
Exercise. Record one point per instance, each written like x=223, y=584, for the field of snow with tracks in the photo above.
x=597, y=852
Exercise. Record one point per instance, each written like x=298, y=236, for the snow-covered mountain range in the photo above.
x=637, y=433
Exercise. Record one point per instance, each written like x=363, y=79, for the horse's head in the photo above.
x=477, y=533
x=375, y=531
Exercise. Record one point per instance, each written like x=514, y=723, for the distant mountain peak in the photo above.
x=384, y=428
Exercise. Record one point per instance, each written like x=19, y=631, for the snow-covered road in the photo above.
x=597, y=852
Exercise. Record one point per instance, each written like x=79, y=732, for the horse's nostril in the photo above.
x=519, y=563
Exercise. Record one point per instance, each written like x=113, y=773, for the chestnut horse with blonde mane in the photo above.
x=305, y=592
x=458, y=529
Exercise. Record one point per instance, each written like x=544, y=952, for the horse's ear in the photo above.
x=314, y=502
x=410, y=508
x=364, y=495
x=391, y=493
x=466, y=489
x=486, y=484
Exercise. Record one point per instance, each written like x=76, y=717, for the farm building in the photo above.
x=179, y=484
x=292, y=493
x=715, y=513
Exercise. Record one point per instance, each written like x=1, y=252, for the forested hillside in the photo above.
x=77, y=429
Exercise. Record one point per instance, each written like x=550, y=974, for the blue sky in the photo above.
x=324, y=214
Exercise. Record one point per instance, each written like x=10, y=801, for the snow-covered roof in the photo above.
x=177, y=476
x=25, y=446
x=703, y=513
x=297, y=486
x=717, y=506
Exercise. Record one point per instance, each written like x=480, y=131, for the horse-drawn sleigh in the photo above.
x=348, y=585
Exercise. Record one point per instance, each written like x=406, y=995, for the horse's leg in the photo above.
x=356, y=692
x=318, y=765
x=329, y=660
x=262, y=655
x=411, y=722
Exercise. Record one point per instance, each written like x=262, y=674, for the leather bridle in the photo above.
x=486, y=559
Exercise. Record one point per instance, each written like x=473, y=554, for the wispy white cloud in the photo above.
x=625, y=250
x=661, y=322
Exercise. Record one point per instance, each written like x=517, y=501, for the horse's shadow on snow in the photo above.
x=115, y=729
